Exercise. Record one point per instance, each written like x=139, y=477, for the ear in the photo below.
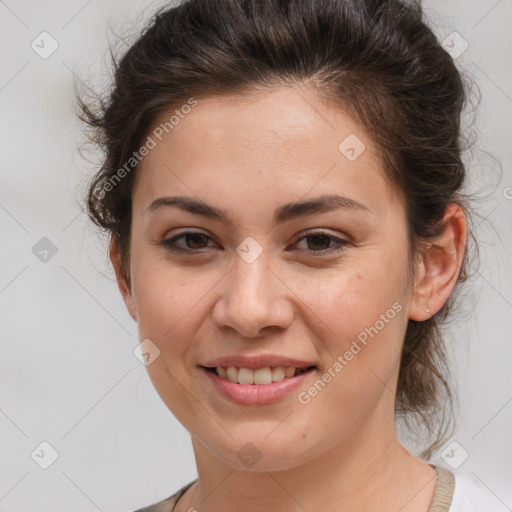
x=439, y=269
x=122, y=280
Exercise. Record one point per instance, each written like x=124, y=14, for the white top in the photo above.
x=471, y=495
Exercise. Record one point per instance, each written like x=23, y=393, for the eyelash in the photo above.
x=342, y=244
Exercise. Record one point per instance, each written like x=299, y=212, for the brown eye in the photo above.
x=320, y=242
x=190, y=242
x=194, y=240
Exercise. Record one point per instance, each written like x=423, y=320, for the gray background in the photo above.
x=68, y=374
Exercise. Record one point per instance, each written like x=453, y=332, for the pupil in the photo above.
x=317, y=238
x=195, y=237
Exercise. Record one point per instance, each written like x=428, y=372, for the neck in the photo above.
x=370, y=472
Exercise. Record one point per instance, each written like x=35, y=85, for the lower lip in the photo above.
x=256, y=393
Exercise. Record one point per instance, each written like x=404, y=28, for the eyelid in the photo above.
x=318, y=231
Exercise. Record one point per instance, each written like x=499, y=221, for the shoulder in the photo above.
x=471, y=495
x=168, y=504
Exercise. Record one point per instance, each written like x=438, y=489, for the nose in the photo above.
x=254, y=300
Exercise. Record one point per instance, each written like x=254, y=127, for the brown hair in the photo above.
x=376, y=59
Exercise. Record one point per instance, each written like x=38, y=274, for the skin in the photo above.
x=250, y=154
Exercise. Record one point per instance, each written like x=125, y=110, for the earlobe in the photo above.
x=122, y=282
x=440, y=266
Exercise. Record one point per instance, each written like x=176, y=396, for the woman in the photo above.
x=283, y=189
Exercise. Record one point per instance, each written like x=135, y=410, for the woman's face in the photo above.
x=265, y=280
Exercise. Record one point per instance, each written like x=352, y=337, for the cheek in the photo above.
x=168, y=306
x=365, y=317
x=353, y=295
x=166, y=303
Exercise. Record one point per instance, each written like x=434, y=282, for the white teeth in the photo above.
x=290, y=372
x=245, y=376
x=232, y=374
x=261, y=376
x=278, y=374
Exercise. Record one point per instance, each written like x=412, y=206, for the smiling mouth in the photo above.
x=260, y=376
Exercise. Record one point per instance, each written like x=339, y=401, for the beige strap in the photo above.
x=443, y=494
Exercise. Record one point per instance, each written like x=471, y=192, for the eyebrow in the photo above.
x=284, y=213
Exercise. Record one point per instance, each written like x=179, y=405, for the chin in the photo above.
x=259, y=453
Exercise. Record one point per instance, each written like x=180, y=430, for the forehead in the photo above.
x=262, y=145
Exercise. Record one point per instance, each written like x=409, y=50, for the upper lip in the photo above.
x=259, y=361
